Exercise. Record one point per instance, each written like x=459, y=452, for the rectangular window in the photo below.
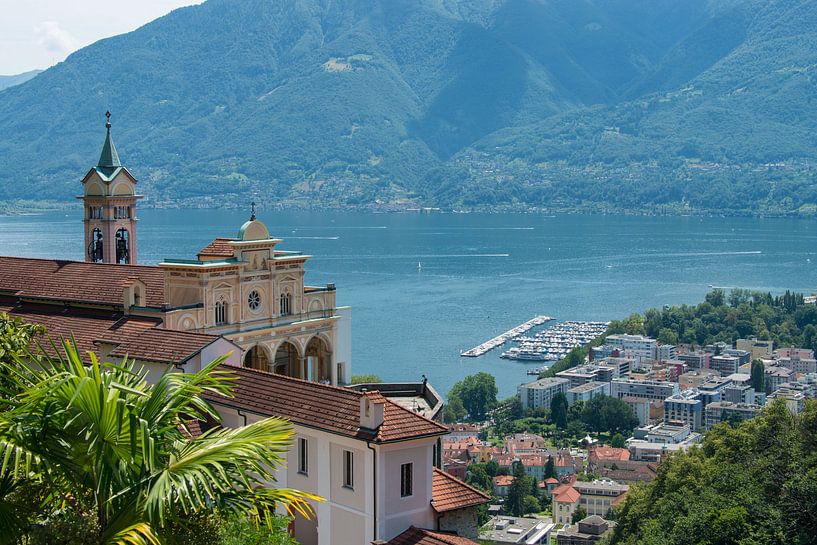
x=348, y=469
x=303, y=456
x=406, y=480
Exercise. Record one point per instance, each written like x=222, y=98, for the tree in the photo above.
x=758, y=374
x=618, y=441
x=478, y=477
x=454, y=410
x=579, y=514
x=477, y=393
x=770, y=459
x=110, y=455
x=609, y=414
x=515, y=503
x=366, y=379
x=530, y=504
x=558, y=410
x=550, y=468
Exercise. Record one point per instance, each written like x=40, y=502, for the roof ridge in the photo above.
x=55, y=260
x=353, y=393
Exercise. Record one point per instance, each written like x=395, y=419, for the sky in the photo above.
x=40, y=33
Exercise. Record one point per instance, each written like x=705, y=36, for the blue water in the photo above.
x=481, y=273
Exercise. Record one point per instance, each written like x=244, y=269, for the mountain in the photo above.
x=554, y=103
x=17, y=79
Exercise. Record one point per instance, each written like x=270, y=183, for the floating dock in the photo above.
x=487, y=346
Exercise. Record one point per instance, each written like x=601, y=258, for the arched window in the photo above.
x=286, y=304
x=122, y=246
x=221, y=312
x=95, y=245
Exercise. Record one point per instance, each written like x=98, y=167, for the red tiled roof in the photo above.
x=163, y=345
x=75, y=281
x=551, y=480
x=220, y=247
x=135, y=336
x=503, y=480
x=608, y=453
x=566, y=494
x=449, y=493
x=418, y=536
x=329, y=408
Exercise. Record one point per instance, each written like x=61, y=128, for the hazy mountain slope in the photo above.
x=17, y=79
x=739, y=133
x=449, y=101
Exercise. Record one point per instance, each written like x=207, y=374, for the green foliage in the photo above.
x=477, y=394
x=751, y=483
x=550, y=468
x=579, y=514
x=106, y=455
x=758, y=374
x=519, y=490
x=366, y=379
x=590, y=105
x=609, y=414
x=618, y=441
x=558, y=410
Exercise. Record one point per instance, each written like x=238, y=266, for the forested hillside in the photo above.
x=754, y=484
x=589, y=104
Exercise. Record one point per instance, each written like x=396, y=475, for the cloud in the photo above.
x=54, y=38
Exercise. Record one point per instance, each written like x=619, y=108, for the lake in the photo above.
x=479, y=274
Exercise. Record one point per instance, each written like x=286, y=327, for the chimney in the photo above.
x=372, y=412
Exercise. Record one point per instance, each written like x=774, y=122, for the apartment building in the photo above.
x=647, y=389
x=539, y=393
x=685, y=407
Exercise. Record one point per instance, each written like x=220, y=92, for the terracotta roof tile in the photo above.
x=566, y=494
x=76, y=281
x=220, y=248
x=135, y=336
x=503, y=480
x=418, y=536
x=449, y=493
x=321, y=406
x=163, y=345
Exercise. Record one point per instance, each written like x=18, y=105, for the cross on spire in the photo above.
x=108, y=119
x=252, y=216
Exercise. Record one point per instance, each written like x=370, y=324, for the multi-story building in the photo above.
x=619, y=367
x=695, y=360
x=673, y=434
x=504, y=530
x=586, y=392
x=743, y=356
x=580, y=375
x=718, y=411
x=637, y=347
x=685, y=407
x=665, y=352
x=724, y=364
x=539, y=393
x=648, y=389
x=757, y=349
x=799, y=360
x=739, y=392
x=776, y=376
x=712, y=390
x=599, y=497
x=794, y=397
x=695, y=378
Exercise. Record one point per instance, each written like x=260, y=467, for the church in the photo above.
x=243, y=289
x=373, y=453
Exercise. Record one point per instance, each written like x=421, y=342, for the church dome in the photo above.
x=253, y=230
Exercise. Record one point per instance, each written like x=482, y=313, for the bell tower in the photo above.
x=110, y=208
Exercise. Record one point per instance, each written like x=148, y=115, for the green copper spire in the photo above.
x=109, y=158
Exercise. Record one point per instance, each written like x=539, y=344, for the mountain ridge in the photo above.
x=446, y=102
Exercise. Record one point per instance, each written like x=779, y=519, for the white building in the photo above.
x=588, y=391
x=539, y=393
x=637, y=347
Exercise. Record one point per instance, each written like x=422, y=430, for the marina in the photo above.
x=511, y=334
x=555, y=342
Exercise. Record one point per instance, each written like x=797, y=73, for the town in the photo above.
x=561, y=482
